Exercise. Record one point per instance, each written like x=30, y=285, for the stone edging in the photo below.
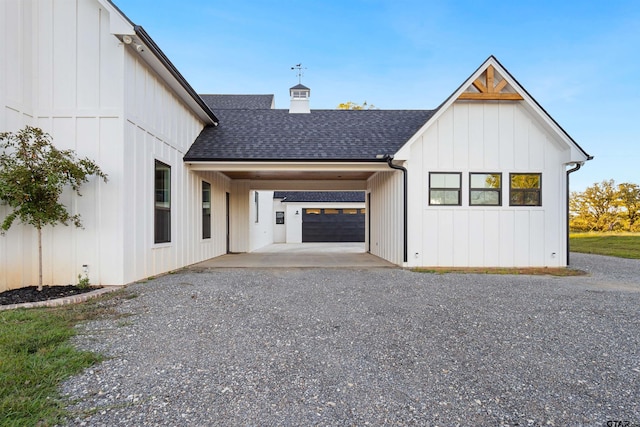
x=63, y=301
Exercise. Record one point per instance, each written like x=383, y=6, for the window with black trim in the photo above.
x=525, y=189
x=206, y=210
x=279, y=217
x=485, y=189
x=257, y=203
x=162, y=207
x=445, y=188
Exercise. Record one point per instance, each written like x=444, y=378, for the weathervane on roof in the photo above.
x=299, y=72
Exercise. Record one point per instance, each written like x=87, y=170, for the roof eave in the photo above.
x=192, y=98
x=195, y=159
x=120, y=25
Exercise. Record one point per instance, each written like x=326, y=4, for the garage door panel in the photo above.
x=332, y=225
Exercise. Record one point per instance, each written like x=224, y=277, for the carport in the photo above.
x=381, y=238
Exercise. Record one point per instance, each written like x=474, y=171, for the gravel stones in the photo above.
x=368, y=347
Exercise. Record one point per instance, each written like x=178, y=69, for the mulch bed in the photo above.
x=31, y=294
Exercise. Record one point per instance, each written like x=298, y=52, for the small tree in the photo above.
x=33, y=174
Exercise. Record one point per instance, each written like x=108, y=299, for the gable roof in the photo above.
x=238, y=102
x=510, y=89
x=338, y=135
x=320, y=196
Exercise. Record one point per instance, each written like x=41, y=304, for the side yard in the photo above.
x=623, y=245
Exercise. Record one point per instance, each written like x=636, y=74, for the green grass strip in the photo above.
x=619, y=245
x=36, y=356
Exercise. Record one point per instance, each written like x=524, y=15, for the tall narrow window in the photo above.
x=444, y=188
x=485, y=189
x=162, y=211
x=525, y=189
x=257, y=203
x=206, y=210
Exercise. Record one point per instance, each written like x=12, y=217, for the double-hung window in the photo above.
x=445, y=188
x=485, y=189
x=525, y=189
x=162, y=207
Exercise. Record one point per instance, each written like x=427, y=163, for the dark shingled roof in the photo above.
x=320, y=196
x=238, y=102
x=350, y=135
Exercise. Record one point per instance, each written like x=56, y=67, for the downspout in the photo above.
x=570, y=171
x=389, y=159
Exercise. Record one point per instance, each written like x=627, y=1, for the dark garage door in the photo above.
x=333, y=225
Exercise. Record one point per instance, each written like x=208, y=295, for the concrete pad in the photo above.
x=326, y=255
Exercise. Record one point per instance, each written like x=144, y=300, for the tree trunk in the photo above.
x=39, y=258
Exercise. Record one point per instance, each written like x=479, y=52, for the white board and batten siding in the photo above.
x=487, y=137
x=385, y=236
x=63, y=74
x=158, y=126
x=69, y=75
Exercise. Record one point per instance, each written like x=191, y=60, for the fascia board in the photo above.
x=118, y=21
x=257, y=166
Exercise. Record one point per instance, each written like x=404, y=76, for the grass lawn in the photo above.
x=36, y=356
x=623, y=245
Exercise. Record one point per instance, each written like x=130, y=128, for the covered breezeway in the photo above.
x=383, y=236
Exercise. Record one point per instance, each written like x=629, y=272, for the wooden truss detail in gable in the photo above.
x=489, y=90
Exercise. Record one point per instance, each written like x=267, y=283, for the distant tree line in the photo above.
x=349, y=105
x=605, y=206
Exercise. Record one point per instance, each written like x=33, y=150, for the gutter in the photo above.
x=570, y=171
x=389, y=159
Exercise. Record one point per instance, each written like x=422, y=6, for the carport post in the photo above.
x=389, y=159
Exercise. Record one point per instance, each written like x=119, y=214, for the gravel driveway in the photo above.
x=299, y=347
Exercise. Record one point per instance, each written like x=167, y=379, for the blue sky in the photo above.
x=579, y=59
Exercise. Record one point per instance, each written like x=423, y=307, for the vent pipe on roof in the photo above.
x=299, y=99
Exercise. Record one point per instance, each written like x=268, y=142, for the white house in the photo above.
x=480, y=181
x=98, y=84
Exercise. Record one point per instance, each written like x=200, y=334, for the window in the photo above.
x=525, y=189
x=485, y=189
x=257, y=203
x=162, y=211
x=350, y=211
x=300, y=93
x=444, y=188
x=331, y=211
x=279, y=217
x=312, y=211
x=206, y=210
